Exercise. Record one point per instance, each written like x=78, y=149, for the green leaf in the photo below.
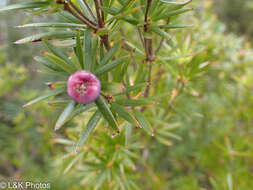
x=47, y=63
x=69, y=17
x=30, y=5
x=53, y=25
x=106, y=112
x=175, y=26
x=80, y=108
x=169, y=134
x=57, y=52
x=84, y=8
x=108, y=67
x=102, y=31
x=185, y=2
x=47, y=36
x=110, y=54
x=60, y=63
x=64, y=115
x=79, y=50
x=111, y=11
x=124, y=114
x=167, y=14
x=88, y=50
x=132, y=88
x=47, y=95
x=143, y=122
x=73, y=162
x=58, y=103
x=160, y=32
x=132, y=102
x=88, y=129
x=126, y=5
x=57, y=84
x=128, y=128
x=134, y=47
x=133, y=21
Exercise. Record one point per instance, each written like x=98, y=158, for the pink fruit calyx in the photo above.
x=83, y=87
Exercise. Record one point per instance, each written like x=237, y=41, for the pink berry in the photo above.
x=83, y=87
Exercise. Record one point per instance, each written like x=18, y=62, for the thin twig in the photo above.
x=162, y=40
x=102, y=12
x=148, y=44
x=89, y=9
x=100, y=22
x=147, y=9
x=80, y=13
x=146, y=93
x=140, y=35
x=67, y=8
x=159, y=46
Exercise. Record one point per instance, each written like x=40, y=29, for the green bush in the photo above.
x=236, y=14
x=201, y=82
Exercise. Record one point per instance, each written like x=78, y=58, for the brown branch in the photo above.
x=89, y=9
x=81, y=14
x=140, y=35
x=99, y=18
x=148, y=43
x=67, y=8
x=102, y=12
x=105, y=41
x=147, y=9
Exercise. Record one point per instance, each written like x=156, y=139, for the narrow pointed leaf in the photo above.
x=88, y=130
x=171, y=13
x=47, y=36
x=61, y=63
x=84, y=8
x=175, y=26
x=47, y=63
x=72, y=163
x=47, y=95
x=53, y=25
x=110, y=54
x=160, y=32
x=108, y=67
x=111, y=11
x=57, y=52
x=133, y=102
x=128, y=128
x=69, y=17
x=132, y=88
x=30, y=5
x=185, y=2
x=80, y=108
x=57, y=84
x=58, y=103
x=134, y=47
x=88, y=50
x=65, y=114
x=143, y=121
x=79, y=50
x=124, y=114
x=106, y=112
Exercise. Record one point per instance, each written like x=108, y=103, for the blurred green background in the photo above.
x=216, y=150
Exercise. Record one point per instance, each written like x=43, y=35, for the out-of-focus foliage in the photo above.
x=236, y=14
x=211, y=145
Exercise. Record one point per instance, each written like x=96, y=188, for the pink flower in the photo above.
x=83, y=87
